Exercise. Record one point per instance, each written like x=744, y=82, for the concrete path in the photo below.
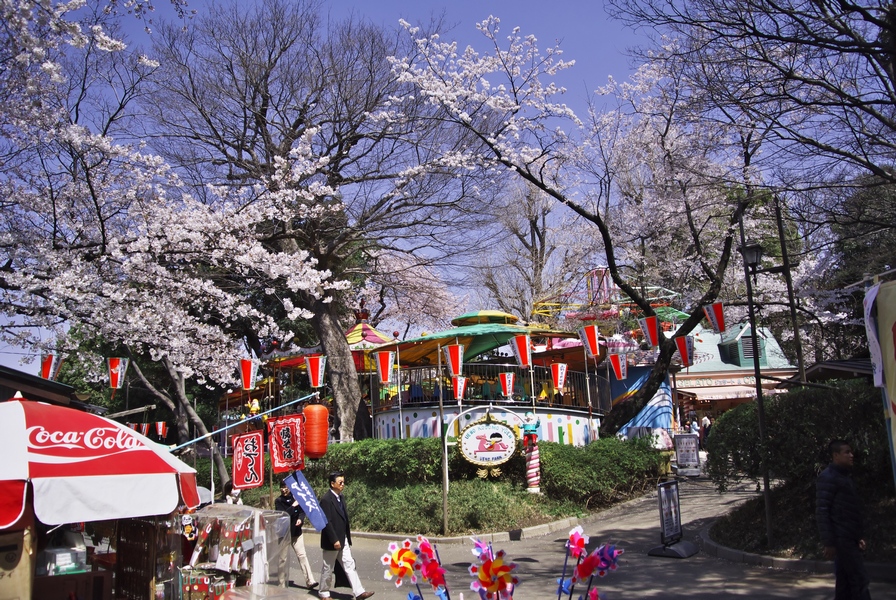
x=633, y=526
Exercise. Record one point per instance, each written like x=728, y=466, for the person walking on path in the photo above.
x=336, y=540
x=286, y=503
x=838, y=512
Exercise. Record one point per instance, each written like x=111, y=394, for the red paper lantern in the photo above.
x=317, y=425
x=316, y=366
x=650, y=327
x=117, y=369
x=248, y=372
x=455, y=355
x=558, y=375
x=715, y=314
x=590, y=335
x=49, y=366
x=685, y=345
x=460, y=385
x=522, y=350
x=507, y=384
x=620, y=366
x=385, y=361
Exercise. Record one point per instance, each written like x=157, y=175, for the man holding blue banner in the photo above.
x=290, y=505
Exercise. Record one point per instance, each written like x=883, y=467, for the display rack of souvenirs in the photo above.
x=236, y=546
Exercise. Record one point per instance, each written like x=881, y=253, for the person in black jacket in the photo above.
x=336, y=540
x=289, y=505
x=838, y=512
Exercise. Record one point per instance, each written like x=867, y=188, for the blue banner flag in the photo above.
x=307, y=499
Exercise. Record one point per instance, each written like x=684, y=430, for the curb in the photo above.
x=876, y=571
x=514, y=535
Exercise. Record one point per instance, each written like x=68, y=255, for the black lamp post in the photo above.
x=752, y=254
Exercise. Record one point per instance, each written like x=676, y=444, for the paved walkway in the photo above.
x=634, y=526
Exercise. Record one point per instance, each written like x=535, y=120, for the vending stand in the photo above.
x=69, y=476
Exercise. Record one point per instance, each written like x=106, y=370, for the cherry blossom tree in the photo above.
x=677, y=197
x=239, y=88
x=102, y=234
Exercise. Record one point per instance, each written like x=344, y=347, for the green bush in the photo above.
x=799, y=425
x=600, y=473
x=395, y=486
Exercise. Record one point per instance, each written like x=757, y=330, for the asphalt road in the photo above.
x=633, y=526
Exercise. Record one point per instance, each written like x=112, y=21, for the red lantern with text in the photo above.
x=49, y=366
x=650, y=327
x=117, y=369
x=144, y=428
x=385, y=362
x=316, y=366
x=317, y=425
x=522, y=350
x=590, y=335
x=248, y=372
x=460, y=386
x=455, y=356
x=162, y=429
x=558, y=375
x=715, y=314
x=248, y=460
x=685, y=345
x=620, y=366
x=507, y=384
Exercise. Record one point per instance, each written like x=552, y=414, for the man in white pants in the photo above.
x=288, y=504
x=336, y=540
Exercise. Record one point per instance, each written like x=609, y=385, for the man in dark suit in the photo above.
x=336, y=540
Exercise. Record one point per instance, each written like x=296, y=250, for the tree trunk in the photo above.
x=342, y=375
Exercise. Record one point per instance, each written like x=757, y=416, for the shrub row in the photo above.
x=798, y=426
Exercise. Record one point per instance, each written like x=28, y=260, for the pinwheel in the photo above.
x=400, y=561
x=429, y=565
x=494, y=577
x=479, y=548
x=587, y=566
x=577, y=542
x=609, y=557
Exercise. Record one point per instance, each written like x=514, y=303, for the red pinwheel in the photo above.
x=587, y=567
x=429, y=566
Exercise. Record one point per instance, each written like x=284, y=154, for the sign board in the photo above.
x=670, y=512
x=487, y=443
x=687, y=454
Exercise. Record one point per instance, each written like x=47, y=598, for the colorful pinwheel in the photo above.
x=400, y=561
x=586, y=567
x=609, y=557
x=428, y=564
x=577, y=542
x=494, y=577
x=480, y=548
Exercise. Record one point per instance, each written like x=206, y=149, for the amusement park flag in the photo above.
x=287, y=440
x=248, y=460
x=303, y=493
x=881, y=331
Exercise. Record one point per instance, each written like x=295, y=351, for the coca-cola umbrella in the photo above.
x=83, y=467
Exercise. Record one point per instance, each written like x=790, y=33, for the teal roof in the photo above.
x=707, y=357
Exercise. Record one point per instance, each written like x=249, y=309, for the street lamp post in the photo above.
x=752, y=254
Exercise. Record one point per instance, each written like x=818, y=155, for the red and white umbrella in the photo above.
x=84, y=467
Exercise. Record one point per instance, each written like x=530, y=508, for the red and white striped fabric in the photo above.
x=83, y=467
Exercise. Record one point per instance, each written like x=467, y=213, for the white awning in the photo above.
x=722, y=392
